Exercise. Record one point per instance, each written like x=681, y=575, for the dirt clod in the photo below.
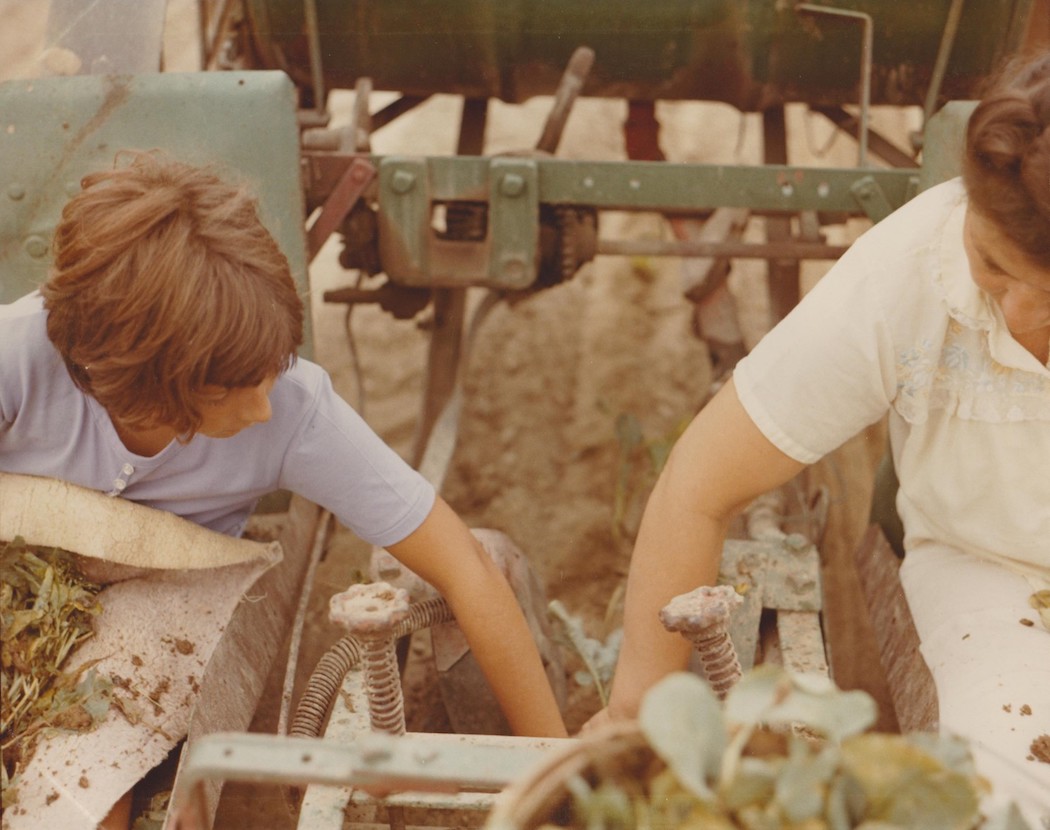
x=1040, y=749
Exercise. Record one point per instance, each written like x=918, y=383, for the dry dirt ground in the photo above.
x=538, y=454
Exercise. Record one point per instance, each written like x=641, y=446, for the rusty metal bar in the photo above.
x=396, y=109
x=568, y=90
x=735, y=250
x=213, y=35
x=353, y=183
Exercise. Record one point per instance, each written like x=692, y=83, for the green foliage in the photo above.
x=153, y=817
x=46, y=610
x=640, y=460
x=599, y=658
x=783, y=752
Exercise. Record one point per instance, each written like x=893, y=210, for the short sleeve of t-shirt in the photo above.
x=338, y=462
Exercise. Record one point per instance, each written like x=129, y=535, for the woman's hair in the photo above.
x=165, y=280
x=1006, y=164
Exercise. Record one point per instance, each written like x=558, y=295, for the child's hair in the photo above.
x=1006, y=165
x=165, y=280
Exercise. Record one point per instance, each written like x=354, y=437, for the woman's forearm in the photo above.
x=716, y=468
x=677, y=550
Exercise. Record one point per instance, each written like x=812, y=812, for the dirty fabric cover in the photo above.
x=155, y=636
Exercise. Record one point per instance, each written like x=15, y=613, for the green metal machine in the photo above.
x=748, y=53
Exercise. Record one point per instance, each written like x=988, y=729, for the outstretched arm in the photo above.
x=445, y=553
x=716, y=468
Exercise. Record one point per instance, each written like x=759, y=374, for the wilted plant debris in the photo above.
x=47, y=609
x=1040, y=601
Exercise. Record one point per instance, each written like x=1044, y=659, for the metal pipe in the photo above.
x=314, y=40
x=944, y=51
x=728, y=248
x=866, y=50
x=202, y=32
x=316, y=551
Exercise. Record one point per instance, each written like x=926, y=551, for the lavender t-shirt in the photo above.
x=315, y=445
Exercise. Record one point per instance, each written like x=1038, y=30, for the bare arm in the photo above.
x=445, y=553
x=718, y=466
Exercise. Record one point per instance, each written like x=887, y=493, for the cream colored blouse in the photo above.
x=898, y=326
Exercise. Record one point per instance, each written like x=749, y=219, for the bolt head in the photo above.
x=36, y=246
x=512, y=185
x=699, y=609
x=402, y=181
x=513, y=269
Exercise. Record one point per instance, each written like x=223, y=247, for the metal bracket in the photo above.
x=404, y=219
x=871, y=198
x=413, y=252
x=513, y=234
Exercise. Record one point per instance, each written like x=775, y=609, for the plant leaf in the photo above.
x=770, y=695
x=907, y=786
x=682, y=719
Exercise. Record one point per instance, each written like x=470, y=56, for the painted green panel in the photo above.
x=944, y=143
x=55, y=130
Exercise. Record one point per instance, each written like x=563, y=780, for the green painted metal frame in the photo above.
x=656, y=185
x=55, y=130
x=513, y=190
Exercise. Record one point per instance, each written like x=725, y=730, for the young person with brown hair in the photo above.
x=938, y=317
x=158, y=364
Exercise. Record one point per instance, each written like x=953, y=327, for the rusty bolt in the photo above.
x=702, y=617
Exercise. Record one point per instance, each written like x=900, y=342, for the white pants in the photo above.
x=992, y=672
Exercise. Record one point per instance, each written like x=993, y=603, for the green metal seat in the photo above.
x=55, y=130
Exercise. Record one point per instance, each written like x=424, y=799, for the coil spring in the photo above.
x=386, y=706
x=327, y=678
x=322, y=686
x=719, y=661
